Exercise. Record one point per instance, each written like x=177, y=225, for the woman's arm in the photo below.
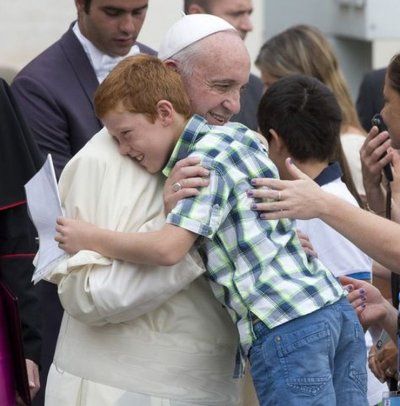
x=304, y=199
x=164, y=247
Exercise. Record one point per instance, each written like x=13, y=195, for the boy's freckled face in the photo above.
x=137, y=137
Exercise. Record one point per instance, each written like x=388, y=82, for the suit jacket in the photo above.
x=55, y=92
x=249, y=101
x=370, y=96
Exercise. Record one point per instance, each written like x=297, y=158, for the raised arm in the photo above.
x=164, y=247
x=304, y=199
x=373, y=160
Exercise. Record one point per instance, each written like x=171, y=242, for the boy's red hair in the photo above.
x=139, y=83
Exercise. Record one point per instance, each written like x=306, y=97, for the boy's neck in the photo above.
x=179, y=125
x=312, y=168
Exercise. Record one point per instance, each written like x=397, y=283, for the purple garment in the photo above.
x=7, y=389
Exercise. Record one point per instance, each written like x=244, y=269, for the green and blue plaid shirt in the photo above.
x=255, y=266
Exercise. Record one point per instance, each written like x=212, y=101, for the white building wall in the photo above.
x=28, y=27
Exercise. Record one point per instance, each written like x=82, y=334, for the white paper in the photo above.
x=44, y=207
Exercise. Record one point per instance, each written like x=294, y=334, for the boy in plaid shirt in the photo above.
x=303, y=338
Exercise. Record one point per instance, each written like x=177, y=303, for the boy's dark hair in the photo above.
x=305, y=114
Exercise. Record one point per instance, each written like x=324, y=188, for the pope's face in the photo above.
x=215, y=85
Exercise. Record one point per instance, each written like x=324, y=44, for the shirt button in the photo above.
x=277, y=339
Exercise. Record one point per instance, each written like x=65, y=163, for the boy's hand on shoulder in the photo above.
x=75, y=235
x=185, y=179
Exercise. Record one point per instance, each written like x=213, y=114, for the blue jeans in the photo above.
x=317, y=359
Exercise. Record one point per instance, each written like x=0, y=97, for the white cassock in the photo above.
x=134, y=335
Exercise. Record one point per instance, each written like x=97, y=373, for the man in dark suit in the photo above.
x=55, y=92
x=238, y=14
x=56, y=89
x=370, y=96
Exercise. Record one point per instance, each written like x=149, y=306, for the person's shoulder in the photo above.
x=242, y=133
x=376, y=75
x=339, y=189
x=144, y=49
x=256, y=85
x=46, y=60
x=233, y=138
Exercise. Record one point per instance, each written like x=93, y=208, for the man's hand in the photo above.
x=74, y=235
x=383, y=362
x=32, y=371
x=185, y=179
x=33, y=377
x=374, y=365
x=387, y=359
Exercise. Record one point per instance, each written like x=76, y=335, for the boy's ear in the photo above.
x=165, y=112
x=276, y=139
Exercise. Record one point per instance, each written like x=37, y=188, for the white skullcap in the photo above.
x=188, y=30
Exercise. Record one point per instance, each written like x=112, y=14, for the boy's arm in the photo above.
x=164, y=247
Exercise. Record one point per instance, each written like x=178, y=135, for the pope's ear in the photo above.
x=171, y=64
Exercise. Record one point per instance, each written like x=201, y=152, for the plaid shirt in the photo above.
x=255, y=266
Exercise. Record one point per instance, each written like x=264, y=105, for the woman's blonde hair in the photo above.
x=305, y=50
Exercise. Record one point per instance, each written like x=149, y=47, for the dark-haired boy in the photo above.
x=301, y=118
x=302, y=336
x=309, y=132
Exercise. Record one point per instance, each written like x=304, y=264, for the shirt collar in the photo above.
x=329, y=174
x=102, y=63
x=194, y=129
